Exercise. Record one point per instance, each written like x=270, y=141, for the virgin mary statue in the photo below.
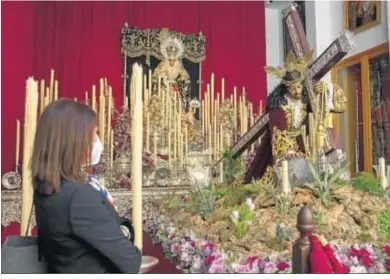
x=174, y=79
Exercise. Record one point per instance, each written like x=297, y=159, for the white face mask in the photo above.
x=97, y=150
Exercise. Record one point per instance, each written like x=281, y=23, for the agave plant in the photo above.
x=232, y=167
x=202, y=200
x=284, y=203
x=325, y=182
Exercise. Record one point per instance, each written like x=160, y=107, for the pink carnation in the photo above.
x=387, y=250
x=283, y=266
x=209, y=260
x=367, y=261
x=216, y=268
x=175, y=248
x=242, y=268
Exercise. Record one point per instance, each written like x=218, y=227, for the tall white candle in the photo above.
x=17, y=142
x=30, y=122
x=223, y=90
x=382, y=173
x=155, y=147
x=285, y=181
x=169, y=149
x=136, y=162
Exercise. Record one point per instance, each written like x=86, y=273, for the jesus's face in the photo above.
x=172, y=62
x=295, y=91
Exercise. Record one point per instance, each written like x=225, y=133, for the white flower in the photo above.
x=358, y=269
x=234, y=216
x=250, y=204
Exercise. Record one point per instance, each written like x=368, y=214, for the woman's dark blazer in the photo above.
x=79, y=232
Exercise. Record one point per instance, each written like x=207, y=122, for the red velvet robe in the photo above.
x=264, y=156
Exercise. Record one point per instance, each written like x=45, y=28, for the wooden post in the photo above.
x=301, y=248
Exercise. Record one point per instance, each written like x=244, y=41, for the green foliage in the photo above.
x=245, y=218
x=283, y=203
x=232, y=167
x=325, y=184
x=319, y=217
x=282, y=236
x=384, y=223
x=237, y=194
x=201, y=200
x=367, y=182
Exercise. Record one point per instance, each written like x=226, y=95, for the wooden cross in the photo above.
x=331, y=56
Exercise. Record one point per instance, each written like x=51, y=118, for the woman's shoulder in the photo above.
x=80, y=190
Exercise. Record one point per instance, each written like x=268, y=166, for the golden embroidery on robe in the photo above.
x=291, y=113
x=268, y=177
x=284, y=142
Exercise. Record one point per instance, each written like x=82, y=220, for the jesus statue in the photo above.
x=288, y=110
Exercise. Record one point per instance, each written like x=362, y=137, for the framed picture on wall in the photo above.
x=362, y=15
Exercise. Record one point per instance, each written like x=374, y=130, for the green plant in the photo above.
x=242, y=219
x=283, y=203
x=201, y=200
x=367, y=182
x=232, y=167
x=325, y=185
x=282, y=235
x=384, y=223
x=237, y=194
x=319, y=217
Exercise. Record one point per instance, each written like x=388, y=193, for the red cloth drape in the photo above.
x=81, y=42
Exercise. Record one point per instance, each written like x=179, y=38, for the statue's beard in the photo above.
x=295, y=96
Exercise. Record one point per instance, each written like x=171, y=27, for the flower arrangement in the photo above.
x=194, y=255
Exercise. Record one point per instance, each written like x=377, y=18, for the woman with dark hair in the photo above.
x=79, y=231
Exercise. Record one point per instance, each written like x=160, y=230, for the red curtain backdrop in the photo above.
x=81, y=42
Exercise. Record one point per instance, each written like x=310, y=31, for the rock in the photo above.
x=356, y=196
x=369, y=222
x=334, y=213
x=263, y=201
x=303, y=198
x=183, y=217
x=355, y=212
x=305, y=191
x=373, y=204
x=214, y=238
x=343, y=193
